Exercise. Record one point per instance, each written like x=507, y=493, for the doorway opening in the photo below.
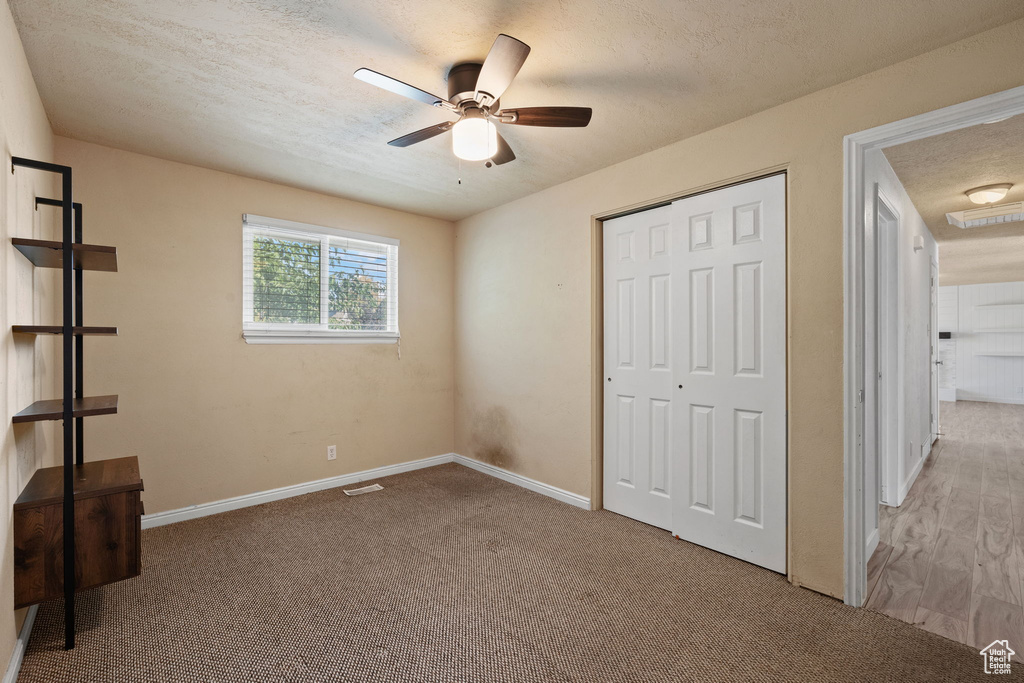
x=935, y=370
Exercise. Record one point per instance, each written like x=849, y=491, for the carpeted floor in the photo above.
x=451, y=575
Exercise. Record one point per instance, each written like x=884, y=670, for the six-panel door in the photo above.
x=638, y=415
x=695, y=364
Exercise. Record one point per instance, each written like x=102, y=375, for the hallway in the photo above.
x=951, y=558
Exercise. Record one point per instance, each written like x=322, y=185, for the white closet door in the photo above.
x=729, y=283
x=638, y=397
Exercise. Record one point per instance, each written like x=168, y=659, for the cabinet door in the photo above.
x=106, y=540
x=107, y=546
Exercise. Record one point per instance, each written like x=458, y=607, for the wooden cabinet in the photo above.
x=108, y=525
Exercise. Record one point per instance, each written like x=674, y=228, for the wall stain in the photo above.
x=494, y=438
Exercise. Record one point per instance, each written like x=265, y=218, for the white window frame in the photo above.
x=296, y=333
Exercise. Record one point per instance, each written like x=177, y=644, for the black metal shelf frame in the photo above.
x=79, y=322
x=72, y=351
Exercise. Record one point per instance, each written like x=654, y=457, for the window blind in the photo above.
x=307, y=283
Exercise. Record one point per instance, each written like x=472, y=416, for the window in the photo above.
x=306, y=284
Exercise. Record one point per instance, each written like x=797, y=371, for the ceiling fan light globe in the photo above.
x=474, y=139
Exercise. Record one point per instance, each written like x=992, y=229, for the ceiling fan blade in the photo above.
x=422, y=134
x=504, y=154
x=501, y=66
x=554, y=117
x=397, y=87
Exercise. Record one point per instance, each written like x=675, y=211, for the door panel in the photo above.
x=747, y=312
x=661, y=445
x=702, y=320
x=639, y=333
x=625, y=425
x=748, y=457
x=702, y=449
x=661, y=322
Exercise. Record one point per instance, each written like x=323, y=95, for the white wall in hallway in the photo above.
x=915, y=312
x=989, y=341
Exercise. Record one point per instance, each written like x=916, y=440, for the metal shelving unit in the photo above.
x=72, y=257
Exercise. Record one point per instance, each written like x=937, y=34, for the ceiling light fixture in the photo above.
x=989, y=193
x=474, y=138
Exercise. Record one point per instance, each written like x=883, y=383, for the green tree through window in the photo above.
x=286, y=285
x=357, y=292
x=286, y=281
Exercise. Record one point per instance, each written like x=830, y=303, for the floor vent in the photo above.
x=363, y=489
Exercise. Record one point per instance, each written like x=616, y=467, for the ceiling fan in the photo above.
x=474, y=91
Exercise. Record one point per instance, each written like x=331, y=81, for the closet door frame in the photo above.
x=597, y=322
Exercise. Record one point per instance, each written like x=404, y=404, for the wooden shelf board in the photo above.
x=53, y=409
x=95, y=478
x=49, y=254
x=57, y=329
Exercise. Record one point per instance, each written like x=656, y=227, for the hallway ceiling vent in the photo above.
x=989, y=215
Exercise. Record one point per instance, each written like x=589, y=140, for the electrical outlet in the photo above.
x=332, y=452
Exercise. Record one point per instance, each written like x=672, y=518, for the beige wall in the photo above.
x=524, y=292
x=27, y=296
x=208, y=415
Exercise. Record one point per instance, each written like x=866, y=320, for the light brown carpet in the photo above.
x=451, y=575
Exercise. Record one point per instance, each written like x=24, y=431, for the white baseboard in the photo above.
x=981, y=398
x=947, y=394
x=260, y=497
x=905, y=488
x=872, y=544
x=527, y=483
x=14, y=667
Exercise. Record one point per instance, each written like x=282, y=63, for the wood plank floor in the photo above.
x=951, y=558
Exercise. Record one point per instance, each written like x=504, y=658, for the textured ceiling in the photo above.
x=936, y=172
x=264, y=88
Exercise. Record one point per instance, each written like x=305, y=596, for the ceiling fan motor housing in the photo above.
x=462, y=84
